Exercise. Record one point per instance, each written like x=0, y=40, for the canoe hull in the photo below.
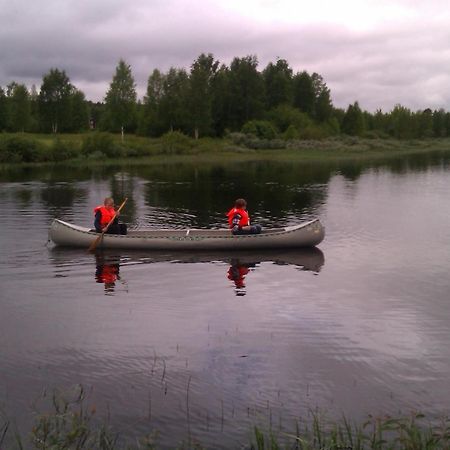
x=308, y=234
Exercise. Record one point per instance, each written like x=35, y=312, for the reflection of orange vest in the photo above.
x=107, y=274
x=243, y=221
x=237, y=274
x=107, y=214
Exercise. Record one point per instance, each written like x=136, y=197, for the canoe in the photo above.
x=307, y=234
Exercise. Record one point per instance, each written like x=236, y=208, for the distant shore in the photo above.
x=22, y=149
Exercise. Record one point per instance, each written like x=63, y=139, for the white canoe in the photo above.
x=307, y=234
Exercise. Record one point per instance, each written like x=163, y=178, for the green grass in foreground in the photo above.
x=104, y=148
x=71, y=425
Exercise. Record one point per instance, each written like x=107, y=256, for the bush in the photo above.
x=314, y=132
x=291, y=133
x=62, y=151
x=16, y=149
x=99, y=142
x=237, y=138
x=260, y=128
x=285, y=116
x=175, y=142
x=375, y=134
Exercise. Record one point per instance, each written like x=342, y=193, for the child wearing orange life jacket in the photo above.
x=239, y=220
x=104, y=214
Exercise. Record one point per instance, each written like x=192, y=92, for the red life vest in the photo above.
x=243, y=221
x=107, y=214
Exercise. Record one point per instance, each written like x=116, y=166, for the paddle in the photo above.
x=94, y=244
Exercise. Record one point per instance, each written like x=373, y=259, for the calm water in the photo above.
x=205, y=345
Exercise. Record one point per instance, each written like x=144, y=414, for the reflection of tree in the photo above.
x=107, y=272
x=57, y=197
x=271, y=189
x=123, y=185
x=24, y=196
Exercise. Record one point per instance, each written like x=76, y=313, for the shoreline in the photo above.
x=149, y=151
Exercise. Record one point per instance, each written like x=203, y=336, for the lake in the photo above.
x=203, y=346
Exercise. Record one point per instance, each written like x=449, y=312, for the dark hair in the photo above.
x=240, y=203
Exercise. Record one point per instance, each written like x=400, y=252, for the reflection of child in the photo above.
x=107, y=274
x=237, y=273
x=239, y=220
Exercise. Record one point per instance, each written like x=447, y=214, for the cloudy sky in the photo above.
x=380, y=52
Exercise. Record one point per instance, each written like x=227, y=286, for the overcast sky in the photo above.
x=380, y=52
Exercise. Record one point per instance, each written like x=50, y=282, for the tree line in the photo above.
x=210, y=99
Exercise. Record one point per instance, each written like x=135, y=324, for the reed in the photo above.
x=71, y=424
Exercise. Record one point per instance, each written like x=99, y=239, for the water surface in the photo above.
x=204, y=345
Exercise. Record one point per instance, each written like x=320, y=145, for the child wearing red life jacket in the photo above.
x=104, y=214
x=239, y=220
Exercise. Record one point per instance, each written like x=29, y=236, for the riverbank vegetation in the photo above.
x=94, y=148
x=72, y=423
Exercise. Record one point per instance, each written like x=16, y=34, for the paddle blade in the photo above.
x=94, y=243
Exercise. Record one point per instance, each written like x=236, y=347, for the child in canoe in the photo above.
x=104, y=214
x=239, y=220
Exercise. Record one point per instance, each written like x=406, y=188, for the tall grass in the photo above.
x=71, y=423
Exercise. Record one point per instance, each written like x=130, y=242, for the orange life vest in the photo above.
x=243, y=221
x=107, y=214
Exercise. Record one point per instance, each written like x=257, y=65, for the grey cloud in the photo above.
x=403, y=63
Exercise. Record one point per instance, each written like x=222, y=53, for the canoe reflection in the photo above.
x=108, y=263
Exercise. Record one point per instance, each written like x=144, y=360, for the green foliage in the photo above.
x=97, y=145
x=54, y=102
x=246, y=91
x=17, y=149
x=3, y=110
x=79, y=111
x=285, y=116
x=19, y=109
x=291, y=133
x=278, y=83
x=173, y=108
x=209, y=100
x=303, y=93
x=221, y=100
x=253, y=142
x=323, y=108
x=175, y=142
x=401, y=123
x=200, y=96
x=353, y=123
x=120, y=100
x=62, y=150
x=150, y=121
x=262, y=129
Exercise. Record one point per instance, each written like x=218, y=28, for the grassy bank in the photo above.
x=103, y=148
x=71, y=423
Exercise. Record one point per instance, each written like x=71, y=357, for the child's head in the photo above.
x=240, y=203
x=108, y=202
